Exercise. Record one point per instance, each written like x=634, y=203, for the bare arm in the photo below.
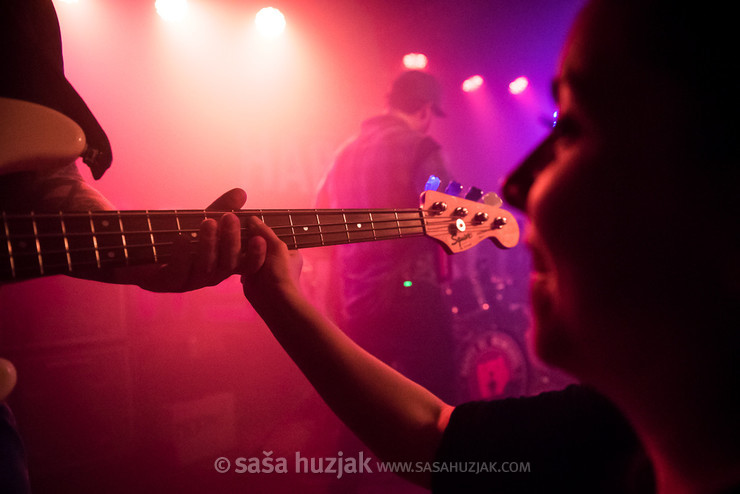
x=395, y=417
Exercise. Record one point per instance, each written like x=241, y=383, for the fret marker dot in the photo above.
x=305, y=228
x=22, y=244
x=111, y=254
x=106, y=223
x=359, y=225
x=194, y=235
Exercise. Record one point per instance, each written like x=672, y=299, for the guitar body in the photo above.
x=33, y=137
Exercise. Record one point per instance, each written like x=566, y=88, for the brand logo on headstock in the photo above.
x=459, y=240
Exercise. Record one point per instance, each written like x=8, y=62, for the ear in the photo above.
x=424, y=117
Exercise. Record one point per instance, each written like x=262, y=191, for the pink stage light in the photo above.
x=518, y=85
x=415, y=61
x=472, y=83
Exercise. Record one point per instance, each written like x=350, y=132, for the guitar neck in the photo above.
x=36, y=244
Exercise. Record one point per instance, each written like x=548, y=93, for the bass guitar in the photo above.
x=71, y=242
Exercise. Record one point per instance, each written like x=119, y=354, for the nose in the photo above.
x=517, y=184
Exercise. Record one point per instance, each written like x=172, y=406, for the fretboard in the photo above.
x=41, y=244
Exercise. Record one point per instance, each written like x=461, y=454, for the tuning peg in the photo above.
x=432, y=183
x=492, y=199
x=474, y=194
x=453, y=189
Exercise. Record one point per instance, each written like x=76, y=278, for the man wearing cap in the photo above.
x=391, y=300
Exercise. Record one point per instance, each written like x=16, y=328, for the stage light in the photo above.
x=270, y=22
x=518, y=85
x=171, y=10
x=415, y=61
x=472, y=83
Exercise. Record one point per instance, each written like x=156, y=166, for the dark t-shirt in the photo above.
x=572, y=441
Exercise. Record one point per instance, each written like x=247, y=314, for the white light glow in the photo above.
x=270, y=22
x=518, y=85
x=415, y=61
x=171, y=10
x=472, y=83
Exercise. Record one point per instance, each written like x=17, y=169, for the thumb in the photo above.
x=233, y=199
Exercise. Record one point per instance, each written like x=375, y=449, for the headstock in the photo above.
x=460, y=224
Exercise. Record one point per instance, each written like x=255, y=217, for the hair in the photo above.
x=691, y=45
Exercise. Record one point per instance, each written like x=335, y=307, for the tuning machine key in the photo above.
x=499, y=222
x=480, y=217
x=453, y=189
x=432, y=183
x=492, y=199
x=439, y=207
x=474, y=194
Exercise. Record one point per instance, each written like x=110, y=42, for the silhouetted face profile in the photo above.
x=602, y=202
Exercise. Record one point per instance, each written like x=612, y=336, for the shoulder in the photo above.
x=572, y=420
x=63, y=189
x=571, y=440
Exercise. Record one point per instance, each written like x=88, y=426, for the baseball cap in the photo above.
x=414, y=87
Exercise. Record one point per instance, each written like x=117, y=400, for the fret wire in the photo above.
x=123, y=238
x=94, y=239
x=10, y=245
x=177, y=221
x=38, y=244
x=151, y=236
x=292, y=231
x=318, y=224
x=66, y=241
x=346, y=225
x=372, y=226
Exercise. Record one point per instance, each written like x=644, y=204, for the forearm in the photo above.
x=395, y=417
